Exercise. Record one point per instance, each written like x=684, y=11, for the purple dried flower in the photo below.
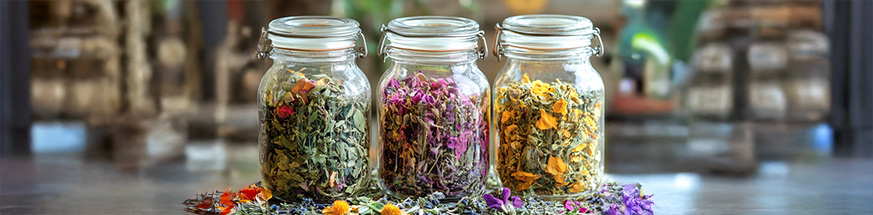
x=614, y=209
x=492, y=202
x=627, y=199
x=517, y=202
x=422, y=118
x=571, y=205
x=499, y=204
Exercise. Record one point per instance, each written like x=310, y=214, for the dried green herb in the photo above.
x=314, y=138
x=434, y=137
x=550, y=137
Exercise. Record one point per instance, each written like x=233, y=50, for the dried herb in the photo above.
x=434, y=137
x=314, y=138
x=612, y=199
x=550, y=138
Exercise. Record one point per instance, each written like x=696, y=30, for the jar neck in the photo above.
x=404, y=56
x=524, y=54
x=287, y=56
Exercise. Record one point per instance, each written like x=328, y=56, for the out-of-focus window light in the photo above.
x=57, y=137
x=686, y=180
x=635, y=3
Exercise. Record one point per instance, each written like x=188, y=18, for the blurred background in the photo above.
x=166, y=88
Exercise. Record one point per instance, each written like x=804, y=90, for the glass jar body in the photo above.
x=434, y=111
x=549, y=124
x=313, y=112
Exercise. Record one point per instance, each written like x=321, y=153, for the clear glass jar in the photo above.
x=313, y=109
x=434, y=108
x=548, y=106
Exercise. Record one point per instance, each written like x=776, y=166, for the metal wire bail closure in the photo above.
x=383, y=47
x=497, y=49
x=264, y=45
x=598, y=51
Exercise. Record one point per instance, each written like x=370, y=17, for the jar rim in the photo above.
x=432, y=33
x=311, y=33
x=434, y=26
x=315, y=26
x=546, y=32
x=549, y=25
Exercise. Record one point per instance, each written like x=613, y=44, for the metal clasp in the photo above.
x=483, y=49
x=497, y=49
x=381, y=46
x=362, y=51
x=598, y=51
x=264, y=45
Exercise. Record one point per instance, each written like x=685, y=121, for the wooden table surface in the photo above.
x=63, y=184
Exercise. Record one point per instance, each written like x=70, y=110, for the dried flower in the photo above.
x=572, y=206
x=550, y=129
x=506, y=204
x=526, y=177
x=547, y=121
x=313, y=138
x=284, y=111
x=391, y=209
x=434, y=137
x=629, y=200
x=265, y=194
x=339, y=207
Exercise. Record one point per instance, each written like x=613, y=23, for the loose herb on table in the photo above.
x=611, y=199
x=314, y=138
x=435, y=138
x=549, y=137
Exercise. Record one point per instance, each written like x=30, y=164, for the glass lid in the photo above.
x=432, y=33
x=310, y=33
x=546, y=32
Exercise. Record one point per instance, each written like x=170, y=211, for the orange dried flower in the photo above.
x=547, y=121
x=578, y=186
x=339, y=207
x=560, y=107
x=248, y=193
x=526, y=177
x=265, y=194
x=557, y=167
x=540, y=88
x=391, y=209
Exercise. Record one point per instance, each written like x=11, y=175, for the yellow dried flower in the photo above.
x=578, y=186
x=339, y=207
x=540, y=88
x=560, y=107
x=557, y=167
x=391, y=209
x=526, y=177
x=506, y=116
x=546, y=121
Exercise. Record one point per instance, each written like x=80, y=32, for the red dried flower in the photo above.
x=284, y=111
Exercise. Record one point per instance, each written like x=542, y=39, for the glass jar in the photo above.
x=434, y=108
x=548, y=102
x=313, y=109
